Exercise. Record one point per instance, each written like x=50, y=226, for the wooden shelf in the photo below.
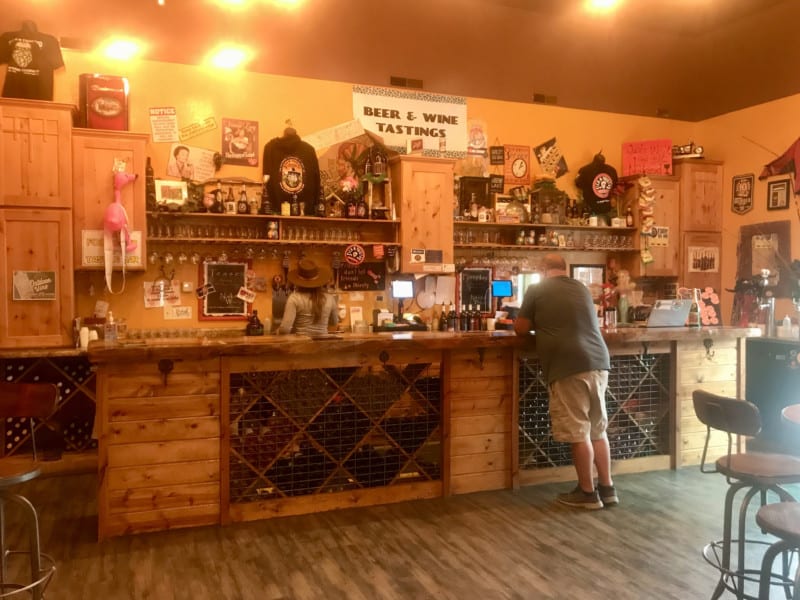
x=564, y=226
x=260, y=242
x=480, y=245
x=307, y=219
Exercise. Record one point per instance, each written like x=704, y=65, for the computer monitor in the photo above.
x=501, y=288
x=402, y=289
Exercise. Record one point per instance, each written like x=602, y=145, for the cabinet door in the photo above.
x=665, y=246
x=94, y=154
x=700, y=257
x=424, y=196
x=37, y=261
x=701, y=195
x=35, y=154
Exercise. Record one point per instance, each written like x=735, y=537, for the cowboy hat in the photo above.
x=309, y=275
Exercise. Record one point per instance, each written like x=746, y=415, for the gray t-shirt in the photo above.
x=298, y=316
x=568, y=339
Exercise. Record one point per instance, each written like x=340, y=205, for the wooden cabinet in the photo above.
x=94, y=154
x=35, y=154
x=159, y=446
x=701, y=194
x=36, y=259
x=423, y=193
x=665, y=247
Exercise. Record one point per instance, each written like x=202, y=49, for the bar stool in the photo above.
x=782, y=520
x=24, y=401
x=757, y=473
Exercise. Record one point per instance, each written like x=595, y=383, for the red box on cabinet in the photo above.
x=103, y=101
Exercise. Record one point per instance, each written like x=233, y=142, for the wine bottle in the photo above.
x=476, y=318
x=443, y=318
x=320, y=209
x=463, y=319
x=230, y=202
x=266, y=205
x=629, y=217
x=150, y=186
x=361, y=208
x=351, y=207
x=451, y=318
x=242, y=207
x=294, y=206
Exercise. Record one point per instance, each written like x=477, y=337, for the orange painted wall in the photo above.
x=747, y=140
x=198, y=93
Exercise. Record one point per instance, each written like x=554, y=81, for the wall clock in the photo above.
x=517, y=165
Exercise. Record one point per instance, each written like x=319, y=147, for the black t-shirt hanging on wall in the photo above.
x=31, y=57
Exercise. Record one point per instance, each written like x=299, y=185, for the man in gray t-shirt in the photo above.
x=575, y=362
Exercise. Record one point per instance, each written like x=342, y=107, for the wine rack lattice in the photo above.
x=316, y=431
x=637, y=402
x=69, y=429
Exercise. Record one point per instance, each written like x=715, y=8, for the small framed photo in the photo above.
x=171, y=195
x=778, y=192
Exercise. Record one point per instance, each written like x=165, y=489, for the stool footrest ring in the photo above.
x=712, y=553
x=23, y=590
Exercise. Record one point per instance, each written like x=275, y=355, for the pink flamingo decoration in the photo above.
x=116, y=219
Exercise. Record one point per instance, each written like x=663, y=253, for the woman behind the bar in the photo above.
x=309, y=309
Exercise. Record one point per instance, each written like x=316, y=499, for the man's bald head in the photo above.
x=554, y=262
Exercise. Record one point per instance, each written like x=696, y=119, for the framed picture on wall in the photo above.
x=171, y=195
x=778, y=194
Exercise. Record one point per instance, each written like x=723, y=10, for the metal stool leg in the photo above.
x=779, y=547
x=39, y=578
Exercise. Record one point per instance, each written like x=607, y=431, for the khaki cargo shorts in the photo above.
x=578, y=406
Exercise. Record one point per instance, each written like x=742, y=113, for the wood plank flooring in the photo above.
x=488, y=545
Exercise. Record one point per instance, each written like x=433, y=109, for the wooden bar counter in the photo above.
x=210, y=431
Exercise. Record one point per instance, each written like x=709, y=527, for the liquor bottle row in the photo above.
x=468, y=319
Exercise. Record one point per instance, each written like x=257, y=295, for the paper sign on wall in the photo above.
x=649, y=157
x=92, y=250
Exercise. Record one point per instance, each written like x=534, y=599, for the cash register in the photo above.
x=402, y=289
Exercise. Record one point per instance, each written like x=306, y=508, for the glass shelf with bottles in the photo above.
x=538, y=236
x=176, y=227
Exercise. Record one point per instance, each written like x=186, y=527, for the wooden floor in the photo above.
x=495, y=545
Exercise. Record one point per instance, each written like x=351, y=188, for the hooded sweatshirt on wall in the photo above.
x=293, y=169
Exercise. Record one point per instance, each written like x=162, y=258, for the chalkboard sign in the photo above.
x=475, y=287
x=496, y=183
x=368, y=276
x=221, y=285
x=497, y=155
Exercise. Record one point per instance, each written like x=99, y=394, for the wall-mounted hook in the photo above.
x=709, y=344
x=383, y=356
x=644, y=350
x=481, y=355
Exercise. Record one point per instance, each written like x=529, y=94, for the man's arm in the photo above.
x=522, y=325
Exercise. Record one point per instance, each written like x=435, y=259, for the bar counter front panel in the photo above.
x=198, y=432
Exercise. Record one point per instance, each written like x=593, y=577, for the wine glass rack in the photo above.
x=69, y=428
x=316, y=431
x=637, y=402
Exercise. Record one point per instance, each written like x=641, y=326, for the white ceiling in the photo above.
x=685, y=59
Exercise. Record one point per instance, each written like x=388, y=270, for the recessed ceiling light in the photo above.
x=229, y=57
x=602, y=6
x=121, y=49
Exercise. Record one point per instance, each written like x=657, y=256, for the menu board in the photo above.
x=475, y=287
x=368, y=276
x=221, y=285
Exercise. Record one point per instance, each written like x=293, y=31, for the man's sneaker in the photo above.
x=608, y=494
x=580, y=499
